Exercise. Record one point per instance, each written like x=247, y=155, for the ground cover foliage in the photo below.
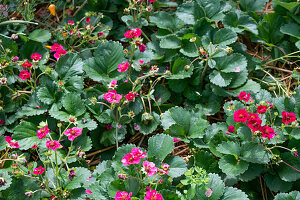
x=149, y=99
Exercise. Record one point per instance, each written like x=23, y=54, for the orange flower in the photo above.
x=52, y=9
x=65, y=34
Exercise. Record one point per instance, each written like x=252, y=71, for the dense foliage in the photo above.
x=149, y=99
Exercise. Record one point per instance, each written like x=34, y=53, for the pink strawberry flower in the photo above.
x=12, y=143
x=123, y=67
x=254, y=124
x=123, y=195
x=112, y=96
x=59, y=53
x=262, y=109
x=130, y=159
x=133, y=33
x=240, y=115
x=56, y=47
x=142, y=48
x=231, y=129
x=36, y=57
x=72, y=133
x=129, y=96
x=113, y=84
x=177, y=139
x=288, y=117
x=153, y=195
x=209, y=192
x=39, y=170
x=42, y=132
x=138, y=153
x=88, y=191
x=26, y=64
x=87, y=20
x=53, y=144
x=149, y=168
x=267, y=132
x=71, y=22
x=243, y=96
x=24, y=74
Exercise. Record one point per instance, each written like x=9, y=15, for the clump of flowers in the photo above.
x=58, y=49
x=12, y=143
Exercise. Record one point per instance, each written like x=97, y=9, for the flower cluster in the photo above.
x=12, y=143
x=134, y=157
x=254, y=121
x=58, y=49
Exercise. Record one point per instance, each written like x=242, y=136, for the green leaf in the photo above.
x=252, y=5
x=297, y=99
x=254, y=153
x=214, y=182
x=275, y=184
x=231, y=193
x=225, y=37
x=231, y=166
x=98, y=191
x=220, y=79
x=151, y=126
x=166, y=20
x=103, y=66
x=287, y=173
x=19, y=186
x=231, y=148
x=169, y=194
x=176, y=115
x=25, y=133
x=291, y=29
x=132, y=185
x=84, y=142
x=73, y=104
x=188, y=12
x=170, y=42
x=230, y=63
x=10, y=44
x=4, y=176
x=160, y=146
x=82, y=174
x=179, y=70
x=177, y=166
x=266, y=29
x=179, y=122
x=206, y=160
x=74, y=84
x=213, y=9
x=3, y=143
x=69, y=65
x=253, y=171
x=287, y=5
x=40, y=35
x=294, y=195
x=46, y=95
x=188, y=48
